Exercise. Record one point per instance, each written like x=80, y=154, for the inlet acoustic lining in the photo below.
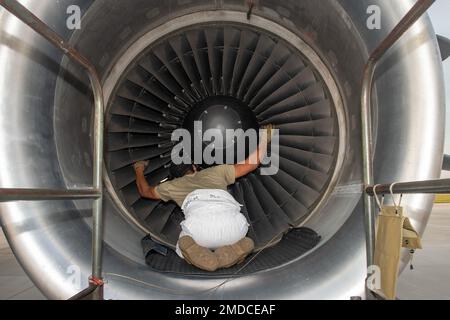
x=270, y=77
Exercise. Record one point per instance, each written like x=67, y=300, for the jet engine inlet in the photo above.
x=226, y=77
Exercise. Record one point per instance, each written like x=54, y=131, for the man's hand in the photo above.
x=254, y=160
x=140, y=166
x=145, y=190
x=268, y=132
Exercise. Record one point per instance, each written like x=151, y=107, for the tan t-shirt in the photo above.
x=218, y=177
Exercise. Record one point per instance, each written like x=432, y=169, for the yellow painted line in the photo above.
x=443, y=198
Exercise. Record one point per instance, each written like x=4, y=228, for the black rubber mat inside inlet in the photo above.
x=293, y=245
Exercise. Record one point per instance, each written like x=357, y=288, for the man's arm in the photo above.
x=145, y=190
x=254, y=160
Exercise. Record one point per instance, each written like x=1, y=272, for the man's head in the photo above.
x=180, y=170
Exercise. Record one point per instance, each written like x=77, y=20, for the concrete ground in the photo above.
x=429, y=280
x=14, y=283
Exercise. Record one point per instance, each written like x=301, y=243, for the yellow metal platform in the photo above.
x=443, y=198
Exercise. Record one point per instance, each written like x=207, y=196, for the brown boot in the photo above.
x=198, y=256
x=228, y=256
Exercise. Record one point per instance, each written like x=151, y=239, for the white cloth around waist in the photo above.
x=213, y=218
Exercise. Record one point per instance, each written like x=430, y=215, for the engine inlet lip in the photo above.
x=226, y=16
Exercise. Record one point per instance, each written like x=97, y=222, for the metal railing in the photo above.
x=431, y=187
x=96, y=192
x=440, y=186
x=408, y=20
